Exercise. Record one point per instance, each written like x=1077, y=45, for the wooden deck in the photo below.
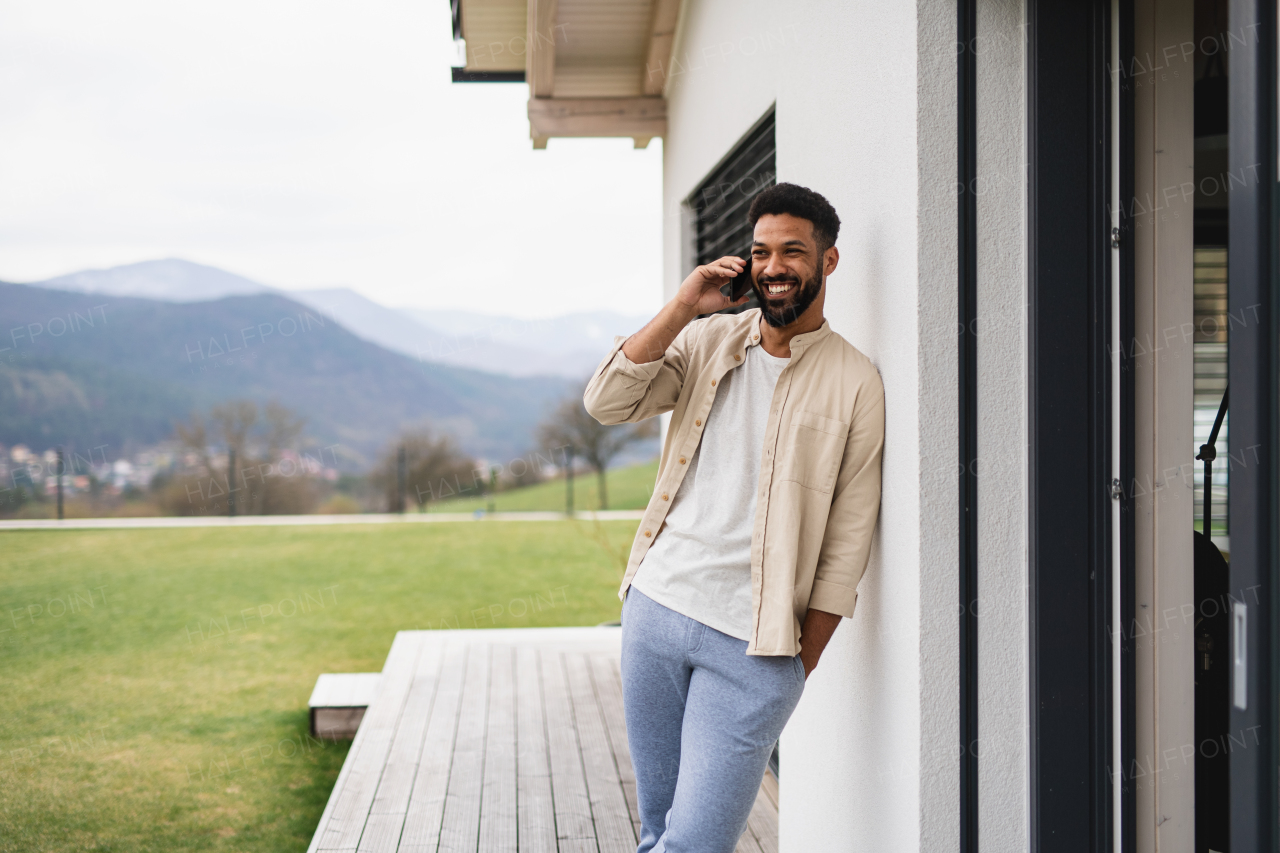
x=497, y=741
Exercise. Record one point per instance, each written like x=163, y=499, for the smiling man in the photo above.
x=758, y=531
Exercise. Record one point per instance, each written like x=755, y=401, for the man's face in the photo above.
x=787, y=270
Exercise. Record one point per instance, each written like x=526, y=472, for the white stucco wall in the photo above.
x=865, y=95
x=1003, y=624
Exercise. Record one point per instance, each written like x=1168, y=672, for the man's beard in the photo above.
x=802, y=296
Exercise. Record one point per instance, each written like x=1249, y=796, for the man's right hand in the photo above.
x=699, y=294
x=701, y=290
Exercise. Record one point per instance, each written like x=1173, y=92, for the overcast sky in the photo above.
x=307, y=144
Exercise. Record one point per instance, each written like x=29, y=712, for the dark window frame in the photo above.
x=1128, y=447
x=1069, y=425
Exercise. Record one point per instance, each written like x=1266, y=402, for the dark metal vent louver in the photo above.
x=720, y=202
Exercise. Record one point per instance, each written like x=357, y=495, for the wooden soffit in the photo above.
x=594, y=67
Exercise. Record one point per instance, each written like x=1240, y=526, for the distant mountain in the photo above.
x=92, y=369
x=569, y=346
x=582, y=332
x=171, y=280
x=399, y=331
x=572, y=344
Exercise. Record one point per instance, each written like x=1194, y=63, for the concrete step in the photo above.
x=339, y=701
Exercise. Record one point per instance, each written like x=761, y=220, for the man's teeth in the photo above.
x=779, y=288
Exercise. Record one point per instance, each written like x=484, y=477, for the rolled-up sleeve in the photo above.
x=855, y=506
x=621, y=391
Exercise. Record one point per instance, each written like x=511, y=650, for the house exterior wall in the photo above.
x=866, y=115
x=1004, y=822
x=865, y=97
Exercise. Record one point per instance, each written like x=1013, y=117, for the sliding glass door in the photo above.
x=1254, y=240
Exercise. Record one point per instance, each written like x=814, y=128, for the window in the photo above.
x=720, y=202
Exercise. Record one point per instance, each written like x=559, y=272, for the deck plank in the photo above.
x=748, y=843
x=461, y=828
x=391, y=802
x=607, y=676
x=349, y=806
x=498, y=794
x=574, y=824
x=536, y=811
x=762, y=824
x=406, y=747
x=495, y=741
x=604, y=786
x=426, y=801
x=381, y=833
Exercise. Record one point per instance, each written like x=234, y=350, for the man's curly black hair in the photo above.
x=802, y=203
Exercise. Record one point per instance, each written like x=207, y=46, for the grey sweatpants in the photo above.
x=702, y=718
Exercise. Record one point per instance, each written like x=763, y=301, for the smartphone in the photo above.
x=742, y=283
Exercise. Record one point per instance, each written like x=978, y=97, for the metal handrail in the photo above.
x=1208, y=453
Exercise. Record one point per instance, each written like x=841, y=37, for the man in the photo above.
x=751, y=549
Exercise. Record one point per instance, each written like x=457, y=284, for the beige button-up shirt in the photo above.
x=819, y=491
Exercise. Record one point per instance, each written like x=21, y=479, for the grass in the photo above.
x=629, y=488
x=155, y=682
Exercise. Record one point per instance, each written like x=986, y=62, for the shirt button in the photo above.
x=737, y=358
x=713, y=382
x=698, y=422
x=665, y=497
x=647, y=534
x=681, y=460
x=755, y=337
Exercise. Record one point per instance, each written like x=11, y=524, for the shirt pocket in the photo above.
x=813, y=450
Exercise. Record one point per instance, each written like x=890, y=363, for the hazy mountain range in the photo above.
x=170, y=280
x=93, y=369
x=568, y=346
x=116, y=357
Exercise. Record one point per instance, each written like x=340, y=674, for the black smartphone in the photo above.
x=740, y=285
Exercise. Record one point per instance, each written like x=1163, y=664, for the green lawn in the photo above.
x=155, y=682
x=629, y=488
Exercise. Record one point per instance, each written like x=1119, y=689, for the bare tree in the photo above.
x=283, y=429
x=568, y=424
x=235, y=419
x=266, y=482
x=434, y=469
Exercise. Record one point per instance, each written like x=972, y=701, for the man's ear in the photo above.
x=830, y=258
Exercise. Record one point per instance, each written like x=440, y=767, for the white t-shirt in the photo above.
x=700, y=563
